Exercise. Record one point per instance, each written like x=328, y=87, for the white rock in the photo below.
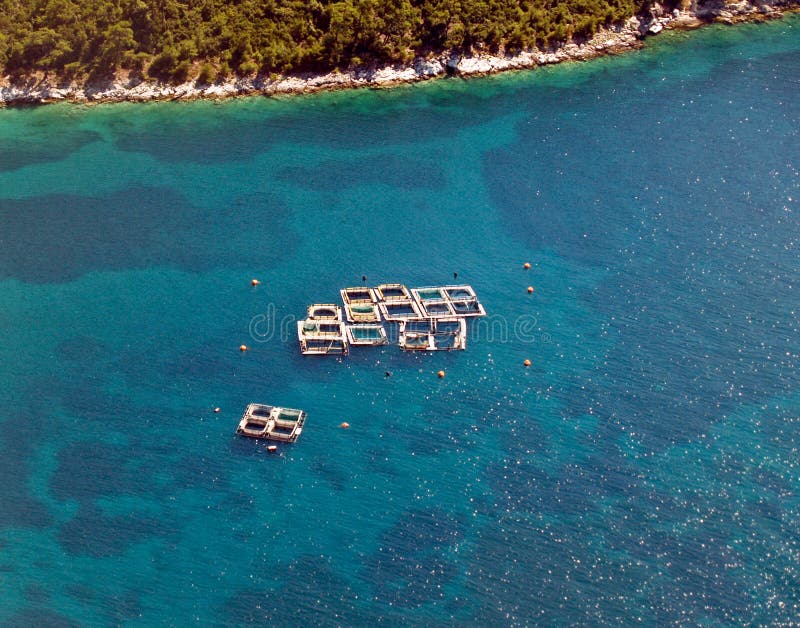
x=615, y=38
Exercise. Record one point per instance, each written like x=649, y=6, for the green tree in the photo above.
x=170, y=37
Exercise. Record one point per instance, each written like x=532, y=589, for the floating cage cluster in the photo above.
x=429, y=319
x=271, y=423
x=434, y=334
x=322, y=332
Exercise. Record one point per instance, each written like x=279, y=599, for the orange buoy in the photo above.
x=243, y=348
x=530, y=289
x=216, y=409
x=526, y=265
x=527, y=362
x=255, y=282
x=344, y=425
x=440, y=373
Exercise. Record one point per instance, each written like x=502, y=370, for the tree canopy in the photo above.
x=210, y=39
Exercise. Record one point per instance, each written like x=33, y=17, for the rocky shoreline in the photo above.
x=615, y=40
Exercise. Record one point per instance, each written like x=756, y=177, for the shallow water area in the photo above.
x=642, y=467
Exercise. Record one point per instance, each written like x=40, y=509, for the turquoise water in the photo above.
x=644, y=468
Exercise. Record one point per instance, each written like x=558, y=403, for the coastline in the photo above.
x=621, y=38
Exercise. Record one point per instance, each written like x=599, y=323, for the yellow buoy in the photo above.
x=344, y=425
x=255, y=282
x=530, y=289
x=526, y=265
x=440, y=373
x=527, y=362
x=243, y=348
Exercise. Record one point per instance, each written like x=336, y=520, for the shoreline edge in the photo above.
x=609, y=41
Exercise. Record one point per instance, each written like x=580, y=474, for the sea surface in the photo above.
x=643, y=469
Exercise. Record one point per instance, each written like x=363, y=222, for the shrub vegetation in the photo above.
x=178, y=39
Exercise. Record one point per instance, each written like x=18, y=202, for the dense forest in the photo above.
x=207, y=40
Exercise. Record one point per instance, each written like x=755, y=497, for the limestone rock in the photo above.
x=610, y=40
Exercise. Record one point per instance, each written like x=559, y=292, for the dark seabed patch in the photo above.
x=412, y=566
x=49, y=145
x=331, y=472
x=447, y=422
x=137, y=228
x=81, y=350
x=526, y=573
x=380, y=460
x=675, y=245
x=198, y=471
x=35, y=616
x=691, y=543
x=567, y=572
x=85, y=399
x=170, y=135
x=205, y=361
x=91, y=533
x=36, y=593
x=123, y=608
x=18, y=442
x=200, y=364
x=91, y=469
x=308, y=587
x=387, y=169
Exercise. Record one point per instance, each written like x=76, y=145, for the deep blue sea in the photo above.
x=644, y=468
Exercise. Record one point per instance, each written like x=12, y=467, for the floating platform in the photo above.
x=322, y=332
x=399, y=310
x=321, y=337
x=433, y=334
x=432, y=302
x=360, y=305
x=467, y=308
x=271, y=423
x=456, y=293
x=366, y=335
x=448, y=301
x=430, y=294
x=464, y=301
x=324, y=312
x=359, y=294
x=396, y=302
x=392, y=292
